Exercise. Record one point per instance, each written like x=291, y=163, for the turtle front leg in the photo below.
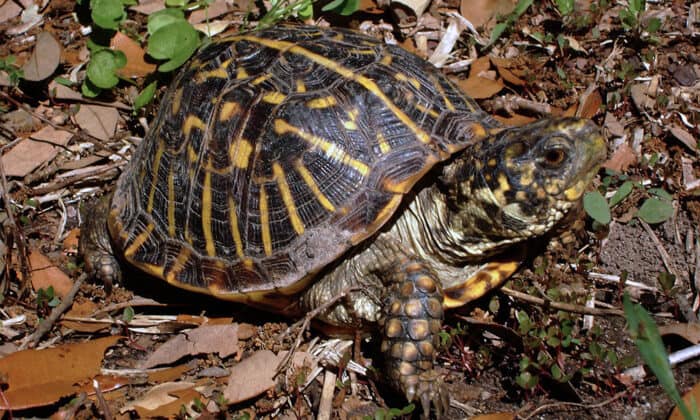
x=96, y=246
x=412, y=318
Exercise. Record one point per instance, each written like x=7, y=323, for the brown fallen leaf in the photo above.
x=44, y=60
x=480, y=12
x=45, y=275
x=157, y=397
x=694, y=393
x=40, y=377
x=689, y=331
x=80, y=309
x=148, y=7
x=136, y=65
x=479, y=87
x=30, y=153
x=479, y=65
x=495, y=416
x=168, y=374
x=9, y=10
x=70, y=242
x=515, y=120
x=685, y=137
x=622, y=158
x=221, y=339
x=590, y=105
x=98, y=121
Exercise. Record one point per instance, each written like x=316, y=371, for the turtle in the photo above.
x=290, y=165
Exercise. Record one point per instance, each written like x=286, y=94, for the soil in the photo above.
x=641, y=86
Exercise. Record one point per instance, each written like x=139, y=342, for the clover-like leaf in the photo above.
x=175, y=43
x=164, y=17
x=102, y=66
x=595, y=205
x=145, y=97
x=107, y=14
x=655, y=210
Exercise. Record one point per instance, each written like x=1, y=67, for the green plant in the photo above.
x=498, y=30
x=565, y=7
x=170, y=39
x=391, y=413
x=46, y=299
x=14, y=73
x=284, y=9
x=656, y=208
x=646, y=336
x=630, y=18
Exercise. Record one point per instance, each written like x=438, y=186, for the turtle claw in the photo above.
x=429, y=389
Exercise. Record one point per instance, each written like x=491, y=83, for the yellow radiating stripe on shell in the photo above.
x=206, y=215
x=182, y=257
x=301, y=86
x=265, y=222
x=427, y=110
x=229, y=109
x=233, y=221
x=445, y=99
x=154, y=180
x=177, y=101
x=488, y=277
x=403, y=78
x=171, y=202
x=366, y=82
x=239, y=153
x=386, y=60
x=191, y=122
x=309, y=179
x=219, y=73
x=331, y=149
x=287, y=198
x=241, y=73
x=383, y=144
x=261, y=79
x=274, y=98
x=139, y=240
x=325, y=102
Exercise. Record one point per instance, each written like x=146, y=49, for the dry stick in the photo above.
x=660, y=248
x=561, y=306
x=326, y=404
x=305, y=325
x=46, y=325
x=571, y=404
x=60, y=183
x=40, y=117
x=18, y=237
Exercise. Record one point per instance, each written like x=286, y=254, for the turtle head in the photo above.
x=521, y=181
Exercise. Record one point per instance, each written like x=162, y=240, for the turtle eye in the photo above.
x=554, y=157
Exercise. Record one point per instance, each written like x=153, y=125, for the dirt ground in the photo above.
x=552, y=344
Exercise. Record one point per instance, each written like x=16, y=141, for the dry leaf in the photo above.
x=98, y=121
x=370, y=6
x=45, y=275
x=689, y=331
x=148, y=7
x=9, y=11
x=29, y=154
x=480, y=12
x=158, y=396
x=251, y=377
x=168, y=374
x=416, y=6
x=136, y=65
x=693, y=393
x=613, y=125
x=515, y=120
x=480, y=87
x=622, y=158
x=214, y=10
x=495, y=416
x=80, y=310
x=221, y=339
x=70, y=243
x=591, y=105
x=184, y=397
x=40, y=377
x=685, y=137
x=479, y=65
x=44, y=60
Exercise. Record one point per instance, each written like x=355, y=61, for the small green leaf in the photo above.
x=653, y=25
x=101, y=68
x=667, y=281
x=595, y=205
x=497, y=32
x=175, y=3
x=621, y=193
x=63, y=81
x=342, y=7
x=163, y=18
x=526, y=380
x=128, y=314
x=566, y=7
x=145, y=97
x=107, y=14
x=655, y=210
x=661, y=193
x=89, y=90
x=175, y=43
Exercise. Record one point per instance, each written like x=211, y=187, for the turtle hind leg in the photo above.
x=412, y=319
x=96, y=246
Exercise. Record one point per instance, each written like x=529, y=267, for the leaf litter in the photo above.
x=543, y=63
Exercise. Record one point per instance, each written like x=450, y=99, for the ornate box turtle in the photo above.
x=291, y=164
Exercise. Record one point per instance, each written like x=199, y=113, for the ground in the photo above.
x=553, y=343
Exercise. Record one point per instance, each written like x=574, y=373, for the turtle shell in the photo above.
x=275, y=152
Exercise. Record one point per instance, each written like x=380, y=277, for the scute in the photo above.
x=275, y=152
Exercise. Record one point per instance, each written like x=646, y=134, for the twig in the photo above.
x=561, y=306
x=304, y=325
x=326, y=404
x=106, y=412
x=660, y=248
x=46, y=325
x=70, y=180
x=572, y=404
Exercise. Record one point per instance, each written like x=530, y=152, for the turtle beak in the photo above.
x=591, y=148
